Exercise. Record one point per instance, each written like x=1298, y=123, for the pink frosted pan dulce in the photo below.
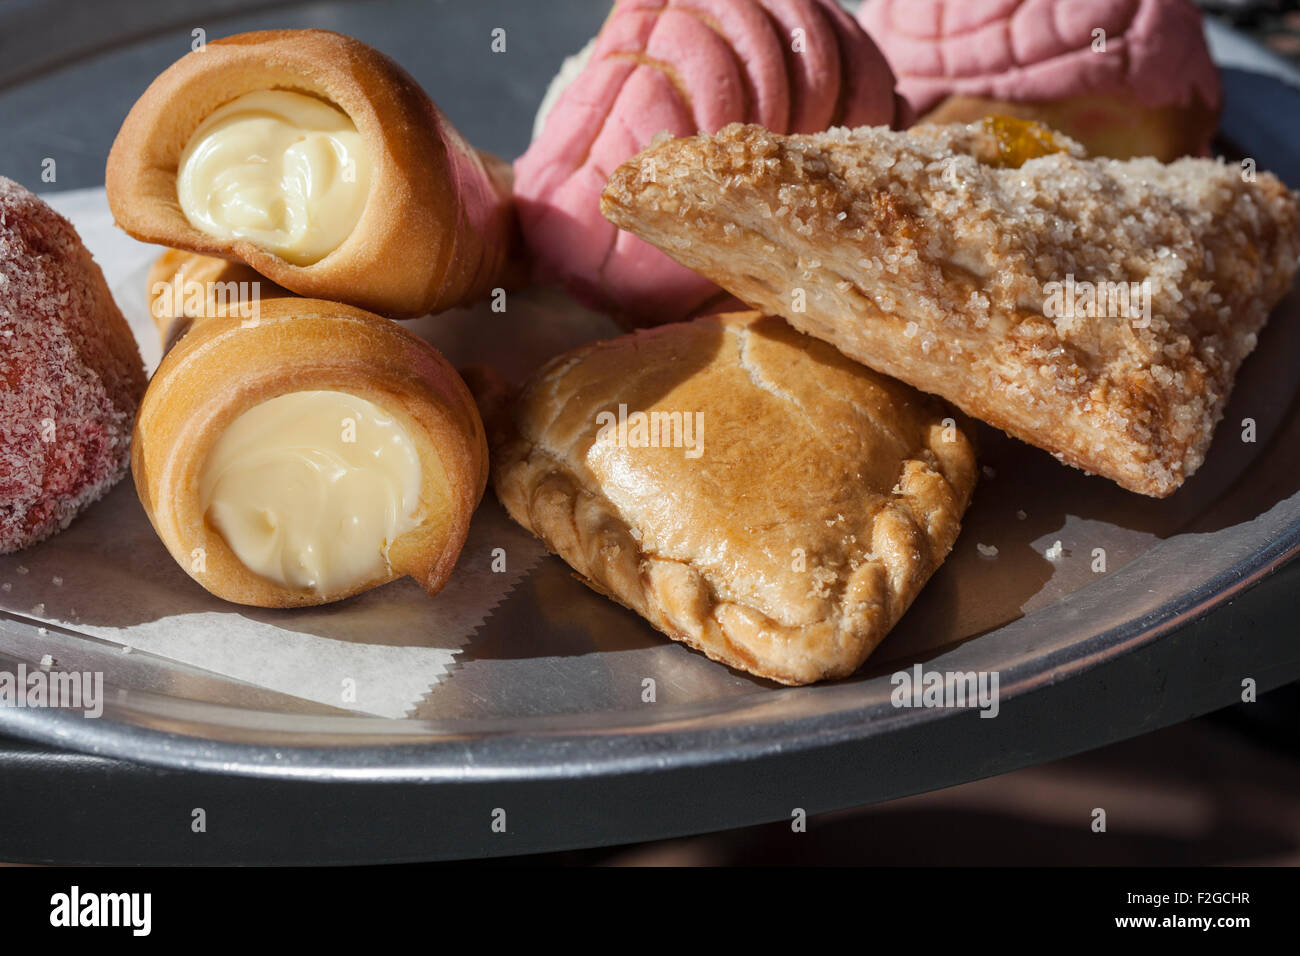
x=1152, y=89
x=681, y=66
x=70, y=374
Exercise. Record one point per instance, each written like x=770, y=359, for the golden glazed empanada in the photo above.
x=746, y=489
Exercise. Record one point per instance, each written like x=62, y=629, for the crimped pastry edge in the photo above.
x=545, y=496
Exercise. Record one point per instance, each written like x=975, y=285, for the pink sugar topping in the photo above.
x=1035, y=50
x=682, y=66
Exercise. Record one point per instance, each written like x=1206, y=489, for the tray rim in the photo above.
x=555, y=751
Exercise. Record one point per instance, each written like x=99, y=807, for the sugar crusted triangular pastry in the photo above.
x=996, y=266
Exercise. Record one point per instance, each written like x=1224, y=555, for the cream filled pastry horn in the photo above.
x=320, y=163
x=308, y=454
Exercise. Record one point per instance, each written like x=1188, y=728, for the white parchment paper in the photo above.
x=379, y=653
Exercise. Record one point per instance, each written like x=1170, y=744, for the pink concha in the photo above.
x=815, y=76
x=681, y=66
x=1029, y=51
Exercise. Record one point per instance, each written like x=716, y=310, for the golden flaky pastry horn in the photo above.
x=307, y=454
x=320, y=163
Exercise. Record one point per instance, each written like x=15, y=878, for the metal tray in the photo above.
x=546, y=697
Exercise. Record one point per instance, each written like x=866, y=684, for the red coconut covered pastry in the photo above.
x=70, y=374
x=681, y=66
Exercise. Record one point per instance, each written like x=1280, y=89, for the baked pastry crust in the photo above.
x=920, y=260
x=823, y=497
x=438, y=229
x=1108, y=125
x=222, y=367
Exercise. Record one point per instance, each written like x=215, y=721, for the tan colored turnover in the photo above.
x=778, y=506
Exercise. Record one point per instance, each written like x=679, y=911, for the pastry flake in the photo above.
x=1096, y=308
x=746, y=489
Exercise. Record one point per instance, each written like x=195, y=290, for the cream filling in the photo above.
x=310, y=489
x=282, y=170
